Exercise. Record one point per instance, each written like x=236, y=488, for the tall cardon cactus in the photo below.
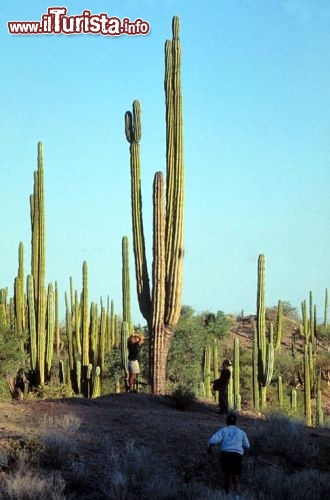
x=265, y=347
x=161, y=307
x=37, y=212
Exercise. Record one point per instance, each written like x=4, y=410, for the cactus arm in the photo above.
x=133, y=135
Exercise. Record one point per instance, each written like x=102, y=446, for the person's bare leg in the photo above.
x=131, y=380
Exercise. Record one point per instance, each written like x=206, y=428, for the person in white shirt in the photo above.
x=232, y=441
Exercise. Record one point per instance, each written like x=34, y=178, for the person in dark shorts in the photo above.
x=221, y=384
x=134, y=344
x=232, y=441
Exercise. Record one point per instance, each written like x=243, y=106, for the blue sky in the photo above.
x=256, y=90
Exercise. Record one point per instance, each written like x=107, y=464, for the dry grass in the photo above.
x=139, y=446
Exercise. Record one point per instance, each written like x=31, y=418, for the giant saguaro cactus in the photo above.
x=162, y=307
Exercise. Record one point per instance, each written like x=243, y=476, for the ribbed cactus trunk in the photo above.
x=325, y=320
x=32, y=322
x=279, y=326
x=307, y=388
x=207, y=372
x=237, y=395
x=126, y=295
x=19, y=296
x=265, y=348
x=38, y=260
x=162, y=307
x=50, y=338
x=85, y=332
x=255, y=382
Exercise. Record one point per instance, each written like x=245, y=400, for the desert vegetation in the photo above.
x=280, y=366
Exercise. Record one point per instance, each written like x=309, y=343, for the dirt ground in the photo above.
x=179, y=437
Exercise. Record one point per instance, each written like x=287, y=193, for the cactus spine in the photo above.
x=162, y=309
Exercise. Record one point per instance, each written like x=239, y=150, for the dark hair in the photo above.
x=231, y=419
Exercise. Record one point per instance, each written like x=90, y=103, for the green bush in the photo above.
x=323, y=332
x=12, y=358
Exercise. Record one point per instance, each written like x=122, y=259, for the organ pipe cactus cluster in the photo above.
x=161, y=307
x=89, y=338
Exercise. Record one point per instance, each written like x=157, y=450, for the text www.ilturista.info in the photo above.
x=56, y=22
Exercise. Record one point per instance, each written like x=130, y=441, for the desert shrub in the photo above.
x=270, y=482
x=183, y=397
x=197, y=491
x=28, y=485
x=284, y=437
x=135, y=472
x=21, y=451
x=58, y=440
x=59, y=450
x=68, y=423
